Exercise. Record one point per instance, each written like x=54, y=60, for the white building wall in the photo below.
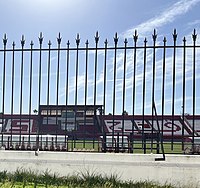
x=179, y=170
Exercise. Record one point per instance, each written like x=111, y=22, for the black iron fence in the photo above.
x=130, y=96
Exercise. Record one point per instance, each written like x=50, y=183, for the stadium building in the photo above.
x=90, y=119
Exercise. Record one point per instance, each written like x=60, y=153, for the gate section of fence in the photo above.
x=131, y=95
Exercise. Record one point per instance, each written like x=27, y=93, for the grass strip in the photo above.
x=23, y=178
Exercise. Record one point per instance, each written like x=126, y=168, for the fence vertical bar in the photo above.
x=114, y=85
x=104, y=86
x=86, y=85
x=40, y=76
x=57, y=87
x=173, y=86
x=194, y=37
x=12, y=89
x=30, y=90
x=95, y=66
x=154, y=36
x=183, y=91
x=76, y=78
x=144, y=93
x=67, y=90
x=4, y=80
x=95, y=82
x=48, y=80
x=135, y=38
x=21, y=85
x=163, y=84
x=124, y=92
x=104, y=94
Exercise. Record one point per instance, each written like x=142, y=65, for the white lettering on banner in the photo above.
x=118, y=125
x=16, y=125
x=167, y=128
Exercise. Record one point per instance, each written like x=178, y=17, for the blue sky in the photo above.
x=70, y=17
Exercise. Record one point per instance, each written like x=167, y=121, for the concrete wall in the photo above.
x=180, y=170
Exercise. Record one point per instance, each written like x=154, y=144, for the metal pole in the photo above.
x=104, y=87
x=76, y=78
x=124, y=91
x=66, y=91
x=173, y=86
x=40, y=76
x=57, y=88
x=4, y=80
x=163, y=85
x=143, y=96
x=12, y=89
x=21, y=91
x=30, y=90
x=114, y=85
x=135, y=38
x=48, y=80
x=183, y=104
x=95, y=82
x=86, y=80
x=154, y=36
x=194, y=37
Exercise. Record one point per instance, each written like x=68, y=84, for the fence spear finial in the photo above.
x=194, y=35
x=59, y=38
x=68, y=43
x=154, y=35
x=135, y=36
x=184, y=40
x=5, y=39
x=77, y=39
x=116, y=39
x=23, y=41
x=31, y=43
x=125, y=41
x=106, y=42
x=164, y=40
x=40, y=38
x=174, y=35
x=49, y=43
x=97, y=37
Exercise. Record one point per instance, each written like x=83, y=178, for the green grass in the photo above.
x=28, y=179
x=83, y=145
x=79, y=145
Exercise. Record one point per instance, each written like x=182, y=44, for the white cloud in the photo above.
x=193, y=23
x=167, y=16
x=144, y=29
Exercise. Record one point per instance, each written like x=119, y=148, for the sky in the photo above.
x=86, y=17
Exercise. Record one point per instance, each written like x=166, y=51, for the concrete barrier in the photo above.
x=179, y=170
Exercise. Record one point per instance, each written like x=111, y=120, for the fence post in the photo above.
x=131, y=143
x=117, y=145
x=104, y=143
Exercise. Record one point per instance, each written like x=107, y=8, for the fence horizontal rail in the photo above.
x=99, y=48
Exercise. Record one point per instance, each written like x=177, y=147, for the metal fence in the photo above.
x=148, y=93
